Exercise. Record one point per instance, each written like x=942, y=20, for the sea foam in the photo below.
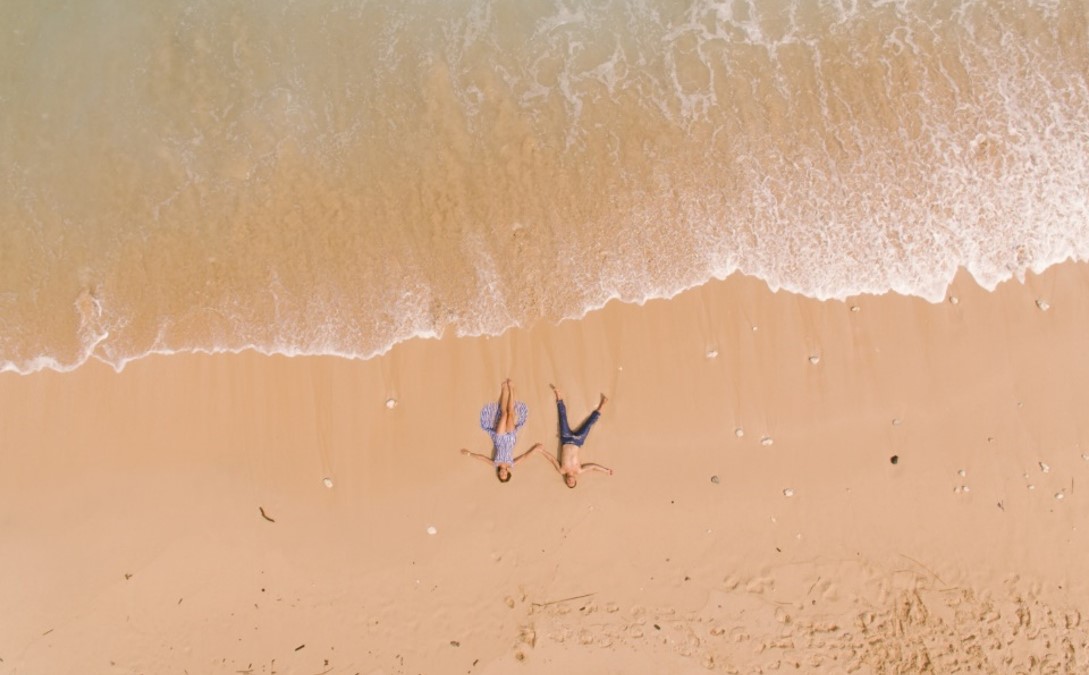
x=317, y=180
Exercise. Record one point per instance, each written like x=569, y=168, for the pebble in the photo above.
x=714, y=479
x=754, y=329
x=328, y=482
x=766, y=440
x=855, y=308
x=814, y=359
x=431, y=529
x=1085, y=457
x=1042, y=304
x=953, y=300
x=1045, y=468
x=962, y=473
x=391, y=403
x=1060, y=495
x=789, y=492
x=712, y=354
x=739, y=432
x=896, y=421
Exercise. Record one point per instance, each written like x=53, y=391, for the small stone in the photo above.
x=966, y=488
x=714, y=479
x=814, y=359
x=896, y=421
x=1045, y=468
x=962, y=473
x=1031, y=486
x=754, y=329
x=856, y=308
x=789, y=492
x=953, y=300
x=391, y=403
x=739, y=432
x=766, y=440
x=1060, y=495
x=1085, y=457
x=328, y=482
x=431, y=530
x=895, y=459
x=712, y=354
x=1042, y=304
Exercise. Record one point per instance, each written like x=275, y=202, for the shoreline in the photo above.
x=91, y=319
x=159, y=472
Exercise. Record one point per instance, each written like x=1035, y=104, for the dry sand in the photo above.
x=133, y=538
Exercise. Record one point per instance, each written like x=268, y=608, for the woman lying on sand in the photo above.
x=502, y=421
x=570, y=442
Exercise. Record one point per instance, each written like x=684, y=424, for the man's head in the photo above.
x=502, y=472
x=570, y=480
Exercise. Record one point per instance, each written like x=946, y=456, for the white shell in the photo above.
x=431, y=529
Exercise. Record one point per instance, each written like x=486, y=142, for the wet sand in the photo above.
x=263, y=514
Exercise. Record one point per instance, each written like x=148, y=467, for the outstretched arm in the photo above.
x=597, y=467
x=552, y=461
x=476, y=455
x=527, y=453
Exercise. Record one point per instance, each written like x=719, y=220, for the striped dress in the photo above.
x=503, y=443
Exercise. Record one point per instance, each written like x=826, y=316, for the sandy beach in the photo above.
x=881, y=485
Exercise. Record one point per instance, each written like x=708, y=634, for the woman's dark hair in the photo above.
x=499, y=475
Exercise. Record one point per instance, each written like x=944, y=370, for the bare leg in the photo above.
x=601, y=405
x=504, y=424
x=512, y=417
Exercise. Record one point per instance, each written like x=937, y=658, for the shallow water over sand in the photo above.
x=336, y=178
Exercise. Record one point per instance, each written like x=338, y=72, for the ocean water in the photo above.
x=335, y=177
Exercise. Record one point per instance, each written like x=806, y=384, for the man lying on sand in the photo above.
x=570, y=442
x=502, y=421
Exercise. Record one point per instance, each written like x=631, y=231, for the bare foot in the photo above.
x=601, y=405
x=557, y=392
